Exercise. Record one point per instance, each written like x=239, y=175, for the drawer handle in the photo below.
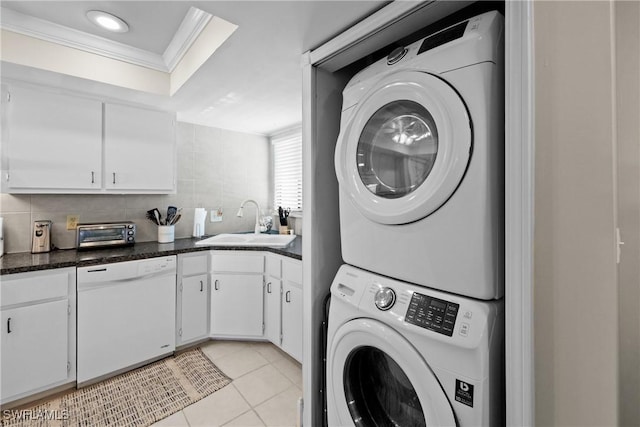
x=216, y=285
x=114, y=177
x=93, y=180
x=269, y=287
x=9, y=325
x=201, y=286
x=287, y=296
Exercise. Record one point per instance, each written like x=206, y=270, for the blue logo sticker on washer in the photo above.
x=464, y=393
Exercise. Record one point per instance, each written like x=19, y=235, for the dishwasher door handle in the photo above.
x=115, y=282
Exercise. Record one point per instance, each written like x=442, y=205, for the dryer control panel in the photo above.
x=432, y=313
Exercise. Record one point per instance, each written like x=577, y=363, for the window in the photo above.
x=287, y=169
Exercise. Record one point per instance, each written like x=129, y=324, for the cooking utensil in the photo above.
x=171, y=212
x=158, y=216
x=283, y=214
x=175, y=219
x=283, y=221
x=151, y=217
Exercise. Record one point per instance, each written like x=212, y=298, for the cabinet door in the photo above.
x=292, y=319
x=55, y=141
x=140, y=152
x=34, y=347
x=236, y=304
x=195, y=299
x=272, y=305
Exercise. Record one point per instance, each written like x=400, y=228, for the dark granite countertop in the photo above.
x=25, y=261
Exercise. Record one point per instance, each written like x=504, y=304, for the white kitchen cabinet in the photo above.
x=139, y=149
x=292, y=307
x=273, y=298
x=237, y=283
x=64, y=143
x=54, y=141
x=38, y=332
x=193, y=298
x=283, y=303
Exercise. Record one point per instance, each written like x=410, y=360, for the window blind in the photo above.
x=287, y=169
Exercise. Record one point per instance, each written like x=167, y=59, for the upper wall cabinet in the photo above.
x=61, y=143
x=55, y=141
x=139, y=149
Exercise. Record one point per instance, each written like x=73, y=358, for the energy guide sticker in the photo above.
x=464, y=393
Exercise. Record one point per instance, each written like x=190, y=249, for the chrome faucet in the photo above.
x=241, y=213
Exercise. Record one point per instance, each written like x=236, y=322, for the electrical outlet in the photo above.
x=72, y=221
x=216, y=215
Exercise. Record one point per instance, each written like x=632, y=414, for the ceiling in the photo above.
x=252, y=83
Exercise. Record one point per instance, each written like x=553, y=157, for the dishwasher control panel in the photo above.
x=125, y=271
x=156, y=265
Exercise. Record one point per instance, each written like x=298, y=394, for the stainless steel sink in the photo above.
x=249, y=240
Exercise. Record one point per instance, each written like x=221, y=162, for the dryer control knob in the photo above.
x=385, y=298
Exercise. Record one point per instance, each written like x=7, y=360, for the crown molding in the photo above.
x=192, y=24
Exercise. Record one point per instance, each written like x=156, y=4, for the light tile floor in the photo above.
x=266, y=386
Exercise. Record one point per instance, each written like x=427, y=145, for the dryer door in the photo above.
x=405, y=148
x=375, y=377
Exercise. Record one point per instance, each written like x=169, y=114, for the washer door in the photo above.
x=375, y=377
x=405, y=149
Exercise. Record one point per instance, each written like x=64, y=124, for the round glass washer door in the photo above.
x=405, y=148
x=375, y=377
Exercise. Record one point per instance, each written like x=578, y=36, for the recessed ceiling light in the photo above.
x=107, y=21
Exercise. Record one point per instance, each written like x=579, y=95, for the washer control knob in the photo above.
x=396, y=55
x=385, y=298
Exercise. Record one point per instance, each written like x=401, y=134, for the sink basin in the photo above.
x=273, y=240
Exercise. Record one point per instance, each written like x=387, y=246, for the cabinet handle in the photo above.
x=201, y=286
x=269, y=287
x=9, y=325
x=216, y=285
x=93, y=177
x=114, y=177
x=287, y=296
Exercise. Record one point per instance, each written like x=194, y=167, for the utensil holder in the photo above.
x=166, y=233
x=283, y=229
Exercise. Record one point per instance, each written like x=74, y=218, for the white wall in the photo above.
x=576, y=301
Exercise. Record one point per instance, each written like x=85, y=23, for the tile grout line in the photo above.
x=250, y=406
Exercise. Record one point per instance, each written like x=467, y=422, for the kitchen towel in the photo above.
x=198, y=222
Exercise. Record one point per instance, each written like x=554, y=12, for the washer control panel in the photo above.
x=432, y=313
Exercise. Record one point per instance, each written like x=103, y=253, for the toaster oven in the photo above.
x=106, y=234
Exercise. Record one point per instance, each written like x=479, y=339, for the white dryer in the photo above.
x=403, y=355
x=420, y=162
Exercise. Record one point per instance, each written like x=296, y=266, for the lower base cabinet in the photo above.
x=38, y=332
x=192, y=306
x=236, y=305
x=237, y=283
x=292, y=319
x=283, y=304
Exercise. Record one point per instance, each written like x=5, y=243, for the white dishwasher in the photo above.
x=126, y=316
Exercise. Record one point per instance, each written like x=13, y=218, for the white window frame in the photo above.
x=289, y=143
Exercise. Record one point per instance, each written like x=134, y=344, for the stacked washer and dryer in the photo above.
x=416, y=322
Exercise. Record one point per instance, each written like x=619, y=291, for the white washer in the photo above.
x=400, y=354
x=420, y=162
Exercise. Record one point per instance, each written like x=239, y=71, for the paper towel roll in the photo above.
x=199, y=216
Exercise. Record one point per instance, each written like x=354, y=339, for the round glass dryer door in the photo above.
x=397, y=149
x=405, y=148
x=375, y=377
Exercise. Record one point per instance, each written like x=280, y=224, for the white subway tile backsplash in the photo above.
x=15, y=203
x=17, y=232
